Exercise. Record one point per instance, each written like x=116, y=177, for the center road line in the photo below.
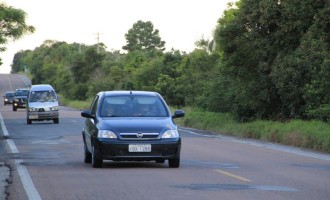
x=233, y=175
x=28, y=185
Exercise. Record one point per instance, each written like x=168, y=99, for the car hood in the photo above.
x=137, y=124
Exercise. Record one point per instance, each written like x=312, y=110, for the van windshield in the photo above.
x=42, y=96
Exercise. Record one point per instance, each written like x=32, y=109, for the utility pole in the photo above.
x=98, y=42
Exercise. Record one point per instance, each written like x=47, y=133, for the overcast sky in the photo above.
x=180, y=22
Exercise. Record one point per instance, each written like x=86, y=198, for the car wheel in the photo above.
x=56, y=120
x=87, y=155
x=14, y=108
x=96, y=161
x=28, y=121
x=174, y=163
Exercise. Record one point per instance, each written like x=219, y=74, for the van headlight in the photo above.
x=106, y=134
x=54, y=108
x=170, y=134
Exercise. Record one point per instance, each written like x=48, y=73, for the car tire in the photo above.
x=96, y=161
x=28, y=121
x=56, y=120
x=14, y=108
x=87, y=155
x=174, y=163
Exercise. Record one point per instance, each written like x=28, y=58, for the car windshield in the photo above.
x=9, y=94
x=22, y=93
x=42, y=96
x=133, y=106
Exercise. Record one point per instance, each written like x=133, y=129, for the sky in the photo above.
x=180, y=22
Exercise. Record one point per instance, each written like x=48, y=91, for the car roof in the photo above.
x=22, y=89
x=10, y=92
x=41, y=87
x=127, y=92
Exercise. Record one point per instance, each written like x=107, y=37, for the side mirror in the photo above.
x=87, y=114
x=178, y=113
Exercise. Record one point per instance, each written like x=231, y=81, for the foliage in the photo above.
x=268, y=60
x=275, y=55
x=142, y=36
x=12, y=25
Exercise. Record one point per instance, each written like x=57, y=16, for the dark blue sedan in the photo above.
x=8, y=98
x=131, y=126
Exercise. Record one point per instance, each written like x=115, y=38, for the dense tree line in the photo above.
x=268, y=60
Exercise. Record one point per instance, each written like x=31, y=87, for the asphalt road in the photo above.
x=46, y=162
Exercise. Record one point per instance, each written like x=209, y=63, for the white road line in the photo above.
x=259, y=143
x=28, y=185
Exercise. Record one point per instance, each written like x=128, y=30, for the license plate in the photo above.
x=33, y=117
x=139, y=148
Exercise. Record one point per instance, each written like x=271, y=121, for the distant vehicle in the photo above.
x=20, y=98
x=130, y=126
x=42, y=104
x=8, y=98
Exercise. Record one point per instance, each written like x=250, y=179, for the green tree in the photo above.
x=196, y=70
x=12, y=25
x=143, y=36
x=259, y=42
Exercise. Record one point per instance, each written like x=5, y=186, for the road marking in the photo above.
x=28, y=185
x=233, y=175
x=11, y=87
x=269, y=145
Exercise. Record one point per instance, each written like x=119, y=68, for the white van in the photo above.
x=42, y=104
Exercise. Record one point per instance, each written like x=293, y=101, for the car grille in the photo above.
x=22, y=100
x=140, y=136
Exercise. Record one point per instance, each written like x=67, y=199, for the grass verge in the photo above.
x=314, y=135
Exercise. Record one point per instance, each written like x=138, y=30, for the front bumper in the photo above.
x=19, y=104
x=48, y=115
x=8, y=101
x=117, y=150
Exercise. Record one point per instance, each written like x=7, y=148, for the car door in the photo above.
x=90, y=123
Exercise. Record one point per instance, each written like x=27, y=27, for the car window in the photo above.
x=133, y=106
x=94, y=105
x=42, y=96
x=9, y=94
x=22, y=93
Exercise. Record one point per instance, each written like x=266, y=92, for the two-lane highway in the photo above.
x=47, y=163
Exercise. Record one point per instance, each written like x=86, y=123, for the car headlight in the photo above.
x=171, y=134
x=6, y=99
x=33, y=109
x=106, y=134
x=55, y=108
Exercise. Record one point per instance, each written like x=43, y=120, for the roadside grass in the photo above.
x=314, y=135
x=81, y=105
